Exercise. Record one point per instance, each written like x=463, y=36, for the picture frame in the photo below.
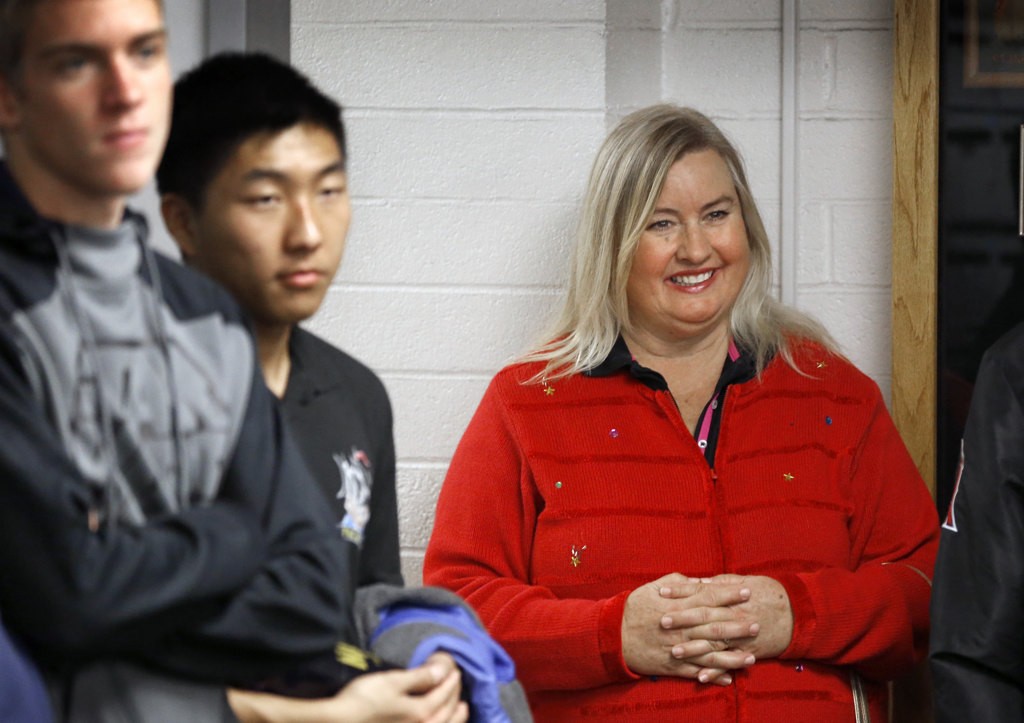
x=994, y=44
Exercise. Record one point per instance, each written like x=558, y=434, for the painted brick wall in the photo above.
x=473, y=124
x=845, y=175
x=726, y=59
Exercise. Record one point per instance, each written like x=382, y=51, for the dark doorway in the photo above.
x=981, y=251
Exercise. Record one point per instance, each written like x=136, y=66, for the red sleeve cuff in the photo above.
x=805, y=620
x=609, y=635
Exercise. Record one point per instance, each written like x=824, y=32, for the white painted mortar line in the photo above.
x=790, y=187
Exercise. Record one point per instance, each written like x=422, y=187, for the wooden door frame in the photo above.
x=915, y=228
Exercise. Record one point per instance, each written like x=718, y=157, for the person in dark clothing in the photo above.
x=246, y=132
x=977, y=633
x=160, y=535
x=22, y=697
x=254, y=189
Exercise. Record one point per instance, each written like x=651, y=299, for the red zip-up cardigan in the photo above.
x=563, y=498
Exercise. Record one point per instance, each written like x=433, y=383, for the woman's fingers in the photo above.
x=723, y=659
x=711, y=623
x=701, y=646
x=716, y=676
x=706, y=594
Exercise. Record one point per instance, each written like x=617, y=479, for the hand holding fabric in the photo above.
x=430, y=692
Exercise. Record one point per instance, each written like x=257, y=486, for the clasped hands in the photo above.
x=702, y=628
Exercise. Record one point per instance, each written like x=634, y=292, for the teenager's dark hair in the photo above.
x=226, y=100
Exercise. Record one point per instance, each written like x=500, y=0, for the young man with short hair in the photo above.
x=160, y=536
x=254, y=189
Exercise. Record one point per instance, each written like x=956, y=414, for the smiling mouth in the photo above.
x=691, y=279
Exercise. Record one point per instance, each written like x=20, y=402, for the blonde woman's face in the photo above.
x=693, y=255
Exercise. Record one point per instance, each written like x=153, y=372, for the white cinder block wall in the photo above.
x=473, y=124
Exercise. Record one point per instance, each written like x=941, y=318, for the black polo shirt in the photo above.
x=739, y=367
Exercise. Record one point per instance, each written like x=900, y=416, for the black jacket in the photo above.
x=154, y=511
x=977, y=634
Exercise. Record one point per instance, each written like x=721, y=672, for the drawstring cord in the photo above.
x=91, y=357
x=115, y=484
x=164, y=343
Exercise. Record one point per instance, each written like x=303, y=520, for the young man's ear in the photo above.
x=180, y=221
x=9, y=114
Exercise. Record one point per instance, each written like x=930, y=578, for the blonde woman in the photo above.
x=685, y=505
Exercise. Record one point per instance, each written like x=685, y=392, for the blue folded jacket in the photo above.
x=405, y=626
x=485, y=664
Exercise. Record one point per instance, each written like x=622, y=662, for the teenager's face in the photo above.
x=86, y=115
x=273, y=223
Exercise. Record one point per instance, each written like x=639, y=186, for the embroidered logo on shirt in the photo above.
x=356, y=485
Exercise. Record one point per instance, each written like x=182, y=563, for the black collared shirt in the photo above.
x=734, y=371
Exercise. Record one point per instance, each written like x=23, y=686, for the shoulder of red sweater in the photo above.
x=519, y=376
x=519, y=371
x=523, y=382
x=819, y=365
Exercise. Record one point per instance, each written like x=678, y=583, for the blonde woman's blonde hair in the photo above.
x=624, y=186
